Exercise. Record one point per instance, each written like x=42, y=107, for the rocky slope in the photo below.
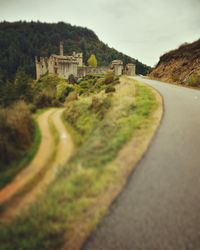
x=180, y=66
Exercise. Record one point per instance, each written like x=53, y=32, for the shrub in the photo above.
x=56, y=103
x=71, y=113
x=32, y=107
x=43, y=100
x=16, y=132
x=85, y=84
x=50, y=89
x=100, y=106
x=95, y=105
x=63, y=90
x=116, y=81
x=71, y=97
x=72, y=79
x=193, y=80
x=109, y=77
x=109, y=89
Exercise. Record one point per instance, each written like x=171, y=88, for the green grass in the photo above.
x=7, y=175
x=70, y=202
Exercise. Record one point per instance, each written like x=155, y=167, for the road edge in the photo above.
x=143, y=138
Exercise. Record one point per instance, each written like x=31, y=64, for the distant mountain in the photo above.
x=21, y=41
x=181, y=65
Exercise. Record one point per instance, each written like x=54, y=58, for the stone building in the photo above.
x=61, y=65
x=65, y=65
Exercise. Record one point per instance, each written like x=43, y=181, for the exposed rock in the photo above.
x=180, y=66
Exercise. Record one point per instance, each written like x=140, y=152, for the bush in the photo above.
x=32, y=107
x=72, y=79
x=109, y=77
x=61, y=90
x=56, y=103
x=16, y=132
x=193, y=80
x=84, y=84
x=100, y=106
x=50, y=89
x=110, y=89
x=71, y=97
x=43, y=100
x=96, y=104
x=71, y=113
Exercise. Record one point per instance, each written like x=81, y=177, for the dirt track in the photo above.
x=53, y=152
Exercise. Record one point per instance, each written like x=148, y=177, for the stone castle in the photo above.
x=65, y=65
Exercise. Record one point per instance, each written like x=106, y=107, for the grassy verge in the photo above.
x=16, y=167
x=75, y=202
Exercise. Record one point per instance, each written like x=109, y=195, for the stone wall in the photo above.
x=83, y=71
x=65, y=69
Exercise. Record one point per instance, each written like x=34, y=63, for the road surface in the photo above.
x=160, y=207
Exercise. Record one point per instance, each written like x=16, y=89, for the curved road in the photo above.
x=160, y=206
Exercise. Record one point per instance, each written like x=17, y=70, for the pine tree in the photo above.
x=23, y=86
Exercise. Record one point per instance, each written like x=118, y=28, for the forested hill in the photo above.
x=21, y=41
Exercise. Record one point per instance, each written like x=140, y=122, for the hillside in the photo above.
x=21, y=41
x=181, y=65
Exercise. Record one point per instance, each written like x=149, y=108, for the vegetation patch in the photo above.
x=15, y=167
x=102, y=123
x=19, y=140
x=193, y=80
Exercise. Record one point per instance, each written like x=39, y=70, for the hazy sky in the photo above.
x=143, y=29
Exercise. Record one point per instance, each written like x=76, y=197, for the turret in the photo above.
x=37, y=68
x=61, y=49
x=130, y=69
x=117, y=67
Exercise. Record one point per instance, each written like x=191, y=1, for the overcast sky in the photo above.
x=142, y=29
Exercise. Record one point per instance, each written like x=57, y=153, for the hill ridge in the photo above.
x=21, y=41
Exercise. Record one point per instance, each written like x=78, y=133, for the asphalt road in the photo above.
x=160, y=207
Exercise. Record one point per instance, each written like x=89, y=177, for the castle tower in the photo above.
x=37, y=67
x=117, y=67
x=41, y=66
x=61, y=49
x=130, y=69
